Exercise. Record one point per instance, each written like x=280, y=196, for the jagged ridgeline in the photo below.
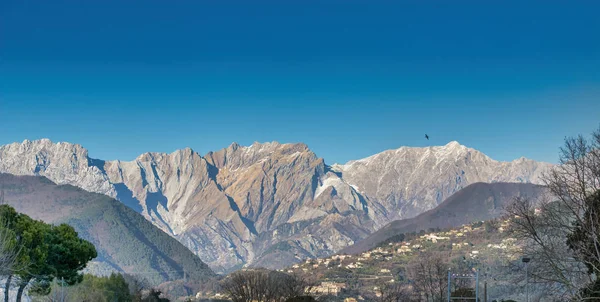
x=269, y=204
x=125, y=240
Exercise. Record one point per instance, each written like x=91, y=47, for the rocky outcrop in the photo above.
x=63, y=163
x=242, y=205
x=408, y=181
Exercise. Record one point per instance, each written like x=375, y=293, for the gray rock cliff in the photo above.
x=269, y=204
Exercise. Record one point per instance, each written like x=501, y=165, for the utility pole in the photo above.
x=62, y=290
x=526, y=261
x=485, y=291
x=449, y=283
x=54, y=289
x=477, y=286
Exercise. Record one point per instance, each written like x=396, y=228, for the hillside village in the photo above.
x=483, y=245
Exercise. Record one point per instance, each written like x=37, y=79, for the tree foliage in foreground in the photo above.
x=91, y=289
x=264, y=285
x=115, y=287
x=45, y=252
x=8, y=246
x=392, y=292
x=430, y=276
x=8, y=250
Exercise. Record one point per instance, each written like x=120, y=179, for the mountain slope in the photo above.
x=248, y=205
x=485, y=245
x=408, y=181
x=124, y=239
x=476, y=202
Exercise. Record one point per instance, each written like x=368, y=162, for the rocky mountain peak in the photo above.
x=62, y=162
x=523, y=159
x=412, y=179
x=156, y=156
x=45, y=144
x=233, y=205
x=454, y=144
x=234, y=146
x=236, y=156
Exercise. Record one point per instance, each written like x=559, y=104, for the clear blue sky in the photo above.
x=349, y=78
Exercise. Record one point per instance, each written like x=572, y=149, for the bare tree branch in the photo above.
x=562, y=233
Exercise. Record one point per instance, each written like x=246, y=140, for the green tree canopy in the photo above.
x=46, y=252
x=68, y=254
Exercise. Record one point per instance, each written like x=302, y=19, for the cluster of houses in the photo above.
x=328, y=288
x=461, y=235
x=459, y=239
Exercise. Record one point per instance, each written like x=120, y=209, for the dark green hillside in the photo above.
x=125, y=241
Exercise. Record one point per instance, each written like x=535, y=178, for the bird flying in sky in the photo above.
x=427, y=136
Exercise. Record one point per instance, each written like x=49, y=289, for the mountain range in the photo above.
x=125, y=241
x=269, y=204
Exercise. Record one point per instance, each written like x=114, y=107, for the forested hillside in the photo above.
x=126, y=242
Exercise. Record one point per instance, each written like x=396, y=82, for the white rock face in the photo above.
x=63, y=163
x=408, y=181
x=234, y=206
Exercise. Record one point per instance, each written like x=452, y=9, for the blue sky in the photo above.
x=349, y=78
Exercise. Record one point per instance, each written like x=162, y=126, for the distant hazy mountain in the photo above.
x=125, y=241
x=269, y=204
x=476, y=202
